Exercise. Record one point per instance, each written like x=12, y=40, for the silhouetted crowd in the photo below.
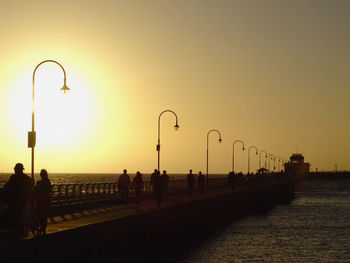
x=28, y=206
x=159, y=184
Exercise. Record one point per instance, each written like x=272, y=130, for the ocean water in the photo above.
x=71, y=178
x=315, y=227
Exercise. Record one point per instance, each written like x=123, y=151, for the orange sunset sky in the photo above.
x=271, y=73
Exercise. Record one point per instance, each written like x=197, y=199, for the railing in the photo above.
x=64, y=194
x=68, y=194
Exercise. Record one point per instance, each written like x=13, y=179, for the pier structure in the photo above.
x=90, y=221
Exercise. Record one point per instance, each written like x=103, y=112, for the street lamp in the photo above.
x=176, y=128
x=220, y=140
x=233, y=153
x=283, y=162
x=256, y=152
x=268, y=161
x=279, y=160
x=32, y=134
x=269, y=157
x=274, y=163
x=260, y=158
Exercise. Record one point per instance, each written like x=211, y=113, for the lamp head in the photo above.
x=220, y=140
x=65, y=89
x=243, y=148
x=176, y=127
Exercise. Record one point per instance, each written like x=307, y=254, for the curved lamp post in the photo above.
x=220, y=140
x=260, y=158
x=283, y=162
x=256, y=152
x=278, y=164
x=269, y=156
x=233, y=153
x=274, y=162
x=176, y=128
x=32, y=134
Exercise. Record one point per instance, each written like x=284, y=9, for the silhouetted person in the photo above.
x=17, y=194
x=164, y=184
x=190, y=182
x=42, y=195
x=153, y=178
x=201, y=181
x=232, y=177
x=157, y=188
x=138, y=186
x=124, y=184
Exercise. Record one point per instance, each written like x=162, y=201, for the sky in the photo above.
x=273, y=74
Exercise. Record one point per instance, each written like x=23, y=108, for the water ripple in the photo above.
x=315, y=227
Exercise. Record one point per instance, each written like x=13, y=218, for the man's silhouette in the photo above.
x=164, y=178
x=190, y=182
x=124, y=184
x=201, y=181
x=138, y=186
x=18, y=193
x=157, y=188
x=153, y=180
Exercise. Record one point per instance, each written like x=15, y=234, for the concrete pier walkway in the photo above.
x=113, y=212
x=109, y=212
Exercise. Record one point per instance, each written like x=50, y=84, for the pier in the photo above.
x=90, y=221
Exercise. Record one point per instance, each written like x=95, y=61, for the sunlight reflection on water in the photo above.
x=67, y=178
x=314, y=228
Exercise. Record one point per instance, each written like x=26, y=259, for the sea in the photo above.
x=75, y=178
x=72, y=178
x=69, y=178
x=315, y=227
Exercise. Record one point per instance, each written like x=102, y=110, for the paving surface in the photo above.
x=112, y=212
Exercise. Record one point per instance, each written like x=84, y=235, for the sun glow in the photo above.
x=60, y=120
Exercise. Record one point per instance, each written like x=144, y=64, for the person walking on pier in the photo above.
x=165, y=184
x=42, y=197
x=124, y=184
x=138, y=186
x=157, y=188
x=153, y=180
x=190, y=182
x=201, y=181
x=17, y=193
